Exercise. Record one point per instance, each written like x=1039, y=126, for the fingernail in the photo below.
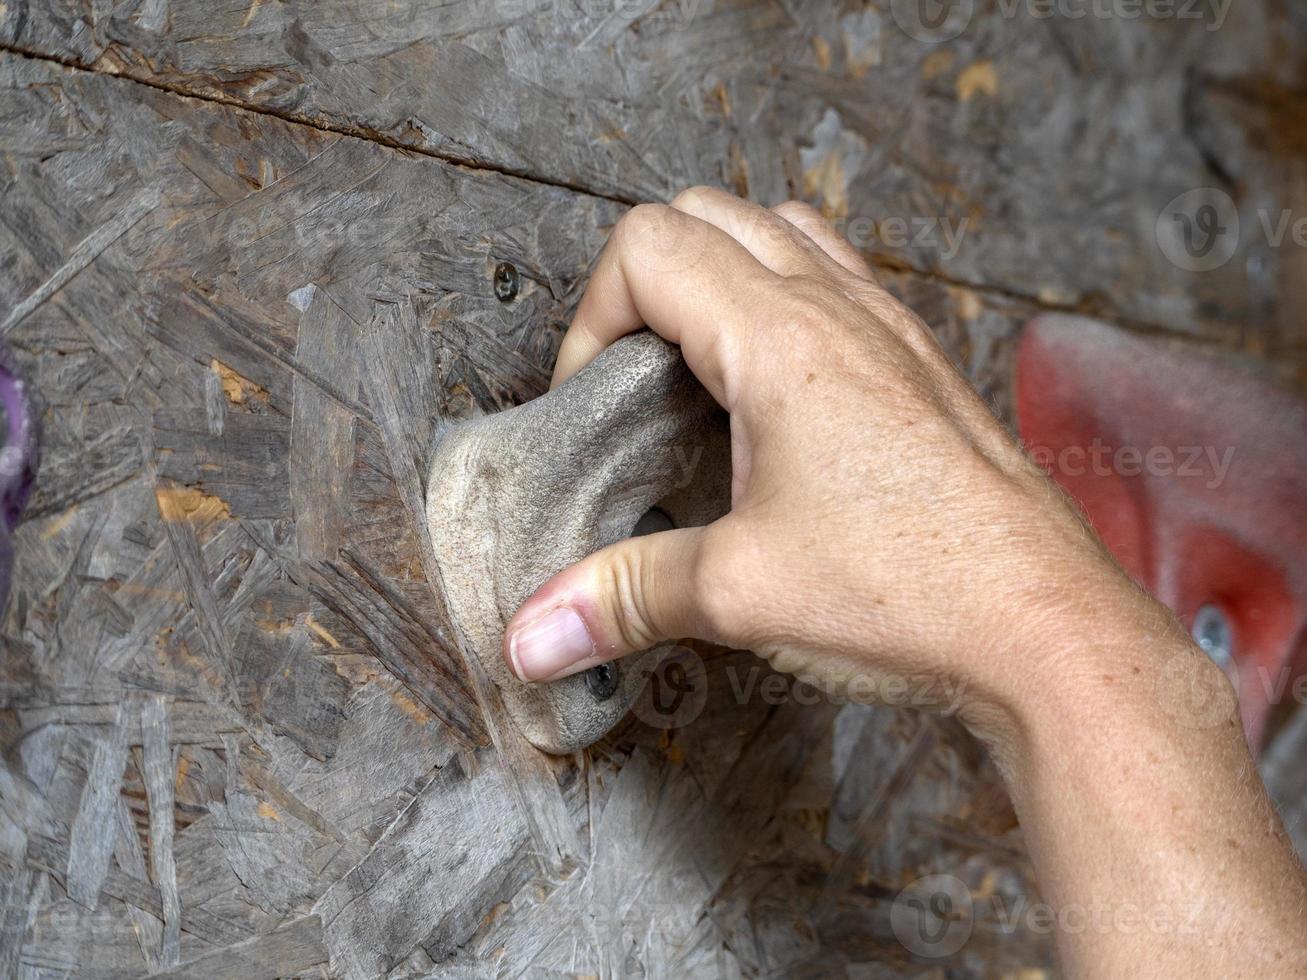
x=543, y=647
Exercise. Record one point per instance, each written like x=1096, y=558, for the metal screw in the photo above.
x=507, y=282
x=1212, y=632
x=601, y=681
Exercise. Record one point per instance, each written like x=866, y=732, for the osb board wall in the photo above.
x=247, y=257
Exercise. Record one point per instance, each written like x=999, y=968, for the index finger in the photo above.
x=687, y=280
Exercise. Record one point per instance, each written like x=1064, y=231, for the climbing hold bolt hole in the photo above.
x=507, y=282
x=1213, y=633
x=601, y=681
x=652, y=521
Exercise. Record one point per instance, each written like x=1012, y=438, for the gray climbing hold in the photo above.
x=515, y=497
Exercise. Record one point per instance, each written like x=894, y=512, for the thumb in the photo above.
x=630, y=596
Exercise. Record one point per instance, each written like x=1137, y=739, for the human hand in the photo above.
x=883, y=522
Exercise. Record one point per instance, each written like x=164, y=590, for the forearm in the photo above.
x=883, y=524
x=1150, y=831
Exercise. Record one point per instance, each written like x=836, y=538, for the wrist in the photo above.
x=1098, y=671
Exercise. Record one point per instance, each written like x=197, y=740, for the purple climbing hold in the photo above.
x=17, y=462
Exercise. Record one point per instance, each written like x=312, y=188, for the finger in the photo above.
x=686, y=279
x=627, y=597
x=770, y=239
x=822, y=233
x=870, y=293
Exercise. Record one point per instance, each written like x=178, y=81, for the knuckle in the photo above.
x=797, y=212
x=884, y=305
x=625, y=583
x=697, y=199
x=808, y=317
x=659, y=239
x=722, y=581
x=642, y=220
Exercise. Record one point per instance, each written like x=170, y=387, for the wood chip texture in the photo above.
x=246, y=260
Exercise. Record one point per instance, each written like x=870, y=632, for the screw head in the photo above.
x=601, y=681
x=1213, y=633
x=507, y=282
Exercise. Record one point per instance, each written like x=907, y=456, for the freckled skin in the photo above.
x=885, y=527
